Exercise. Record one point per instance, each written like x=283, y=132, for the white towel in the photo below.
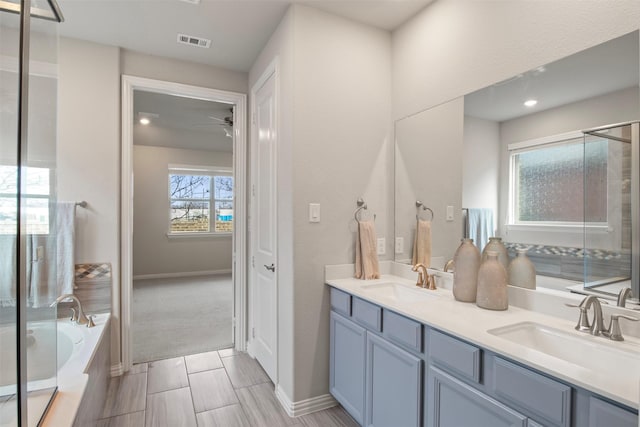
x=422, y=244
x=8, y=277
x=65, y=240
x=481, y=226
x=366, y=254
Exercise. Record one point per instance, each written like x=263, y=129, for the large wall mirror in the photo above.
x=547, y=160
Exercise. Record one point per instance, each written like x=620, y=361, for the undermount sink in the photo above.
x=399, y=292
x=589, y=352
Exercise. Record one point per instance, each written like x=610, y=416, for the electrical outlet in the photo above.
x=39, y=253
x=381, y=246
x=399, y=245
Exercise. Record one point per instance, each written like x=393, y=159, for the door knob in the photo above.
x=271, y=267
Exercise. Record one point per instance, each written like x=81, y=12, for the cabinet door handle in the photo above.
x=271, y=267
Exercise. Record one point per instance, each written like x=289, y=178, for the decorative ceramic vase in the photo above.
x=465, y=274
x=495, y=245
x=522, y=272
x=492, y=284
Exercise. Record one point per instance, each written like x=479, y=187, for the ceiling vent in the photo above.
x=194, y=41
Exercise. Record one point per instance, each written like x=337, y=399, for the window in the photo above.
x=36, y=197
x=194, y=194
x=548, y=180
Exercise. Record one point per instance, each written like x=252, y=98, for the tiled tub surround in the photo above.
x=568, y=263
x=471, y=323
x=92, y=287
x=83, y=379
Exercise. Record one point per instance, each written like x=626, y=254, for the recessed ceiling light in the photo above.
x=191, y=1
x=530, y=102
x=144, y=121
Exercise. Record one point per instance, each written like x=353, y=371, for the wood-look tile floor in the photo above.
x=215, y=389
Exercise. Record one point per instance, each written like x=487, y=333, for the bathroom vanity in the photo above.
x=404, y=356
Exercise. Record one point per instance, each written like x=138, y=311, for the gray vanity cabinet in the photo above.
x=453, y=403
x=394, y=385
x=603, y=414
x=347, y=367
x=375, y=380
x=387, y=370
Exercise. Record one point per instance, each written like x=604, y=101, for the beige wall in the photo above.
x=153, y=251
x=89, y=140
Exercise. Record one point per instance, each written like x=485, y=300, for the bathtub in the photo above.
x=41, y=339
x=80, y=352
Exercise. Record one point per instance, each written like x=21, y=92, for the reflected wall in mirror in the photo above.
x=523, y=165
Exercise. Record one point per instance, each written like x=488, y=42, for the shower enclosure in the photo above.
x=28, y=98
x=611, y=208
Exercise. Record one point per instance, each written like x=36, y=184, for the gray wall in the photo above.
x=89, y=156
x=480, y=165
x=333, y=149
x=452, y=48
x=153, y=252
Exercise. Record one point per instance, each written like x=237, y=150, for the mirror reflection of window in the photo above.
x=547, y=187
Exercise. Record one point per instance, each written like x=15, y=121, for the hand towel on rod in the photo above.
x=366, y=254
x=66, y=237
x=422, y=243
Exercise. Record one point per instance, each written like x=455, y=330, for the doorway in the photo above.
x=182, y=220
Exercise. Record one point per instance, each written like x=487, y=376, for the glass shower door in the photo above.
x=610, y=184
x=28, y=333
x=39, y=202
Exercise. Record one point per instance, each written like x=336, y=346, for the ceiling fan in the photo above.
x=226, y=123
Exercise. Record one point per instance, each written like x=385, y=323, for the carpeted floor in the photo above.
x=176, y=317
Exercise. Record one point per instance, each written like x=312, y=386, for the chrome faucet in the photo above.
x=78, y=316
x=583, y=321
x=623, y=295
x=614, y=332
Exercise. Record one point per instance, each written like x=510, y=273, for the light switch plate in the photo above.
x=449, y=213
x=399, y=245
x=381, y=246
x=314, y=212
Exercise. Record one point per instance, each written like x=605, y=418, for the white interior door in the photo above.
x=264, y=237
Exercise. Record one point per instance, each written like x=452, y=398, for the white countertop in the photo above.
x=471, y=323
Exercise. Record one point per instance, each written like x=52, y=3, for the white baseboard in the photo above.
x=181, y=274
x=304, y=407
x=117, y=369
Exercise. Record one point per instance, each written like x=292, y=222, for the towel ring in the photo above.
x=419, y=205
x=361, y=205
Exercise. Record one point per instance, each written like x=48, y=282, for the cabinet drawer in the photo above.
x=341, y=302
x=402, y=330
x=546, y=400
x=461, y=358
x=367, y=314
